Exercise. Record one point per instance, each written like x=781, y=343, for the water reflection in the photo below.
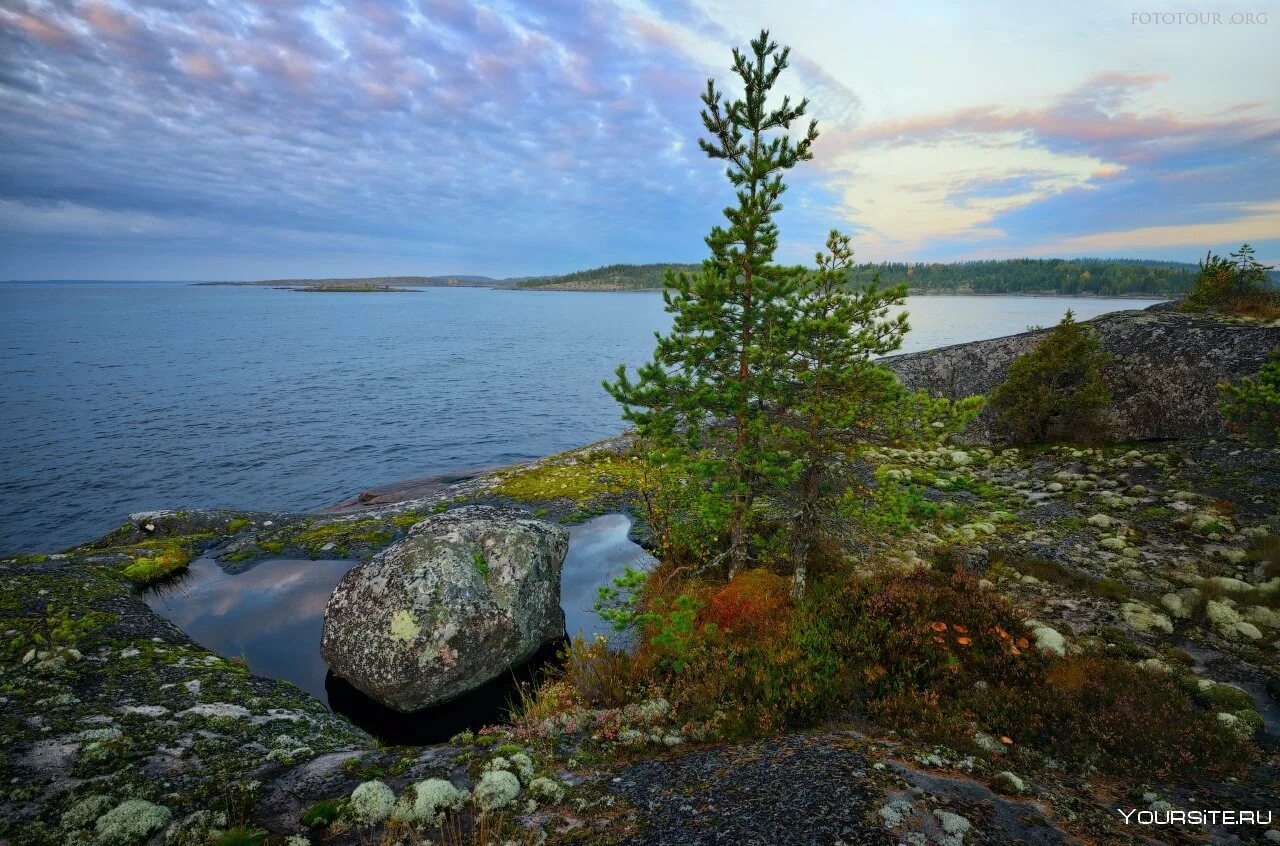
x=272, y=614
x=598, y=551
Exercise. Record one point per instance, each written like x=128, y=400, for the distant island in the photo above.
x=351, y=289
x=375, y=283
x=1088, y=277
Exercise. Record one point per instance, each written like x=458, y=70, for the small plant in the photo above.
x=1057, y=387
x=481, y=563
x=1267, y=550
x=599, y=676
x=751, y=602
x=241, y=835
x=323, y=813
x=1252, y=405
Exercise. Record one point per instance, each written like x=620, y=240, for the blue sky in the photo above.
x=225, y=139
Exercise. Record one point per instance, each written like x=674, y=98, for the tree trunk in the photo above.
x=806, y=530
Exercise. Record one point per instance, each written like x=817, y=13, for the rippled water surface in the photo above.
x=119, y=397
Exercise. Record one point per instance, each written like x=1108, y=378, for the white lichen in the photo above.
x=130, y=823
x=371, y=803
x=496, y=789
x=546, y=790
x=434, y=798
x=85, y=813
x=522, y=764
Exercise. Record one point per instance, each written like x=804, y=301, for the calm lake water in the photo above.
x=120, y=397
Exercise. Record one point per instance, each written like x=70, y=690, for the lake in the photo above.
x=121, y=397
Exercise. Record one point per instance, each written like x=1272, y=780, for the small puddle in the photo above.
x=272, y=614
x=598, y=551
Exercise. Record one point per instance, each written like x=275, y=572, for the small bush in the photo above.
x=1057, y=387
x=1237, y=286
x=750, y=602
x=1100, y=710
x=1252, y=405
x=599, y=676
x=932, y=654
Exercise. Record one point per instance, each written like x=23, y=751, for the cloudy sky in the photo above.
x=231, y=139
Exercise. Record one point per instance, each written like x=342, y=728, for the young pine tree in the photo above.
x=1057, y=386
x=835, y=389
x=706, y=396
x=839, y=398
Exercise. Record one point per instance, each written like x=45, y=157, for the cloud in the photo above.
x=1082, y=171
x=212, y=138
x=521, y=132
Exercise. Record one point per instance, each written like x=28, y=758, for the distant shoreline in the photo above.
x=411, y=287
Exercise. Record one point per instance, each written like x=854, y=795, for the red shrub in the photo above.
x=752, y=602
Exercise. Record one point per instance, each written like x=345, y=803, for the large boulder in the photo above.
x=466, y=596
x=1163, y=374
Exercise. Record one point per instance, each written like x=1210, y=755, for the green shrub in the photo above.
x=1253, y=404
x=1056, y=387
x=1237, y=286
x=241, y=835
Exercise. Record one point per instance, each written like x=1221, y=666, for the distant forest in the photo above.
x=611, y=277
x=1096, y=277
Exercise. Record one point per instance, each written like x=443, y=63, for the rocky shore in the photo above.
x=119, y=729
x=1163, y=374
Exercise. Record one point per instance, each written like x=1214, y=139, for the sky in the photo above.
x=229, y=139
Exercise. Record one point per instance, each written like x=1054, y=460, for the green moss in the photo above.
x=237, y=524
x=323, y=813
x=408, y=520
x=275, y=547
x=158, y=559
x=1154, y=513
x=343, y=534
x=1109, y=589
x=579, y=478
x=1225, y=697
x=482, y=566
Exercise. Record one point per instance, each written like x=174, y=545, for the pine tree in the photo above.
x=707, y=393
x=839, y=399
x=835, y=389
x=1057, y=386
